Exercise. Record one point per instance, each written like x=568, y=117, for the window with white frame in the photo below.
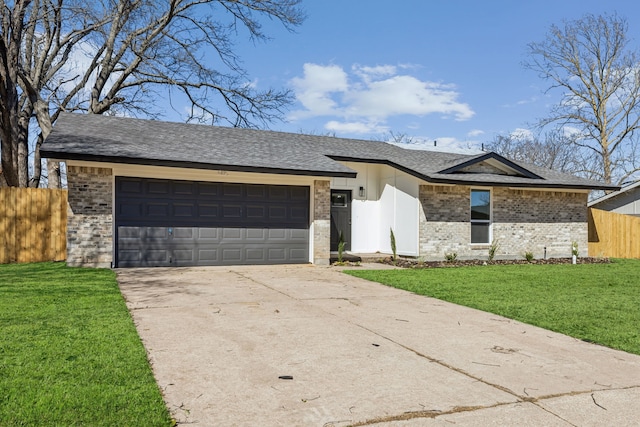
x=480, y=216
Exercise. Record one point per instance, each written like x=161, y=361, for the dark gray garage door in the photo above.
x=182, y=223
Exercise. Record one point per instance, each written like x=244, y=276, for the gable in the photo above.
x=492, y=164
x=487, y=167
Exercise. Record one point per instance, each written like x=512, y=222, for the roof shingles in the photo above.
x=136, y=141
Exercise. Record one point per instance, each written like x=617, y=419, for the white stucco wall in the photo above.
x=390, y=201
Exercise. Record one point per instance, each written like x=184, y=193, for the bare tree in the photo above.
x=553, y=150
x=591, y=62
x=111, y=56
x=396, y=137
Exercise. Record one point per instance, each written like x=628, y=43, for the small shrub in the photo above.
x=392, y=237
x=493, y=249
x=574, y=248
x=451, y=256
x=340, y=247
x=528, y=256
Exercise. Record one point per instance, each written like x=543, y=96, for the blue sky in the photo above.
x=449, y=71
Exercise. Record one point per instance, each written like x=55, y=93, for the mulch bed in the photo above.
x=413, y=263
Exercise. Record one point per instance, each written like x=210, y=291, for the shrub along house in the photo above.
x=150, y=193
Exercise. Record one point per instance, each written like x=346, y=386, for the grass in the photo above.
x=69, y=351
x=598, y=303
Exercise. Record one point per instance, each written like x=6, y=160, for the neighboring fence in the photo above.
x=33, y=225
x=613, y=235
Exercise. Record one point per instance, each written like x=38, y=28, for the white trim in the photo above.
x=163, y=172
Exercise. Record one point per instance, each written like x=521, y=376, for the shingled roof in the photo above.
x=149, y=142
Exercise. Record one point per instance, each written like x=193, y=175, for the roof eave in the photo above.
x=613, y=195
x=540, y=184
x=194, y=165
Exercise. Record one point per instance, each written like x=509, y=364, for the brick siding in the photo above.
x=321, y=222
x=522, y=221
x=90, y=221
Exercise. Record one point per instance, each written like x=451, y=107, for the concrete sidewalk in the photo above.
x=221, y=340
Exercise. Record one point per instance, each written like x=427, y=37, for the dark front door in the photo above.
x=340, y=218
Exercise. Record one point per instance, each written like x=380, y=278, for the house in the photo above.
x=624, y=201
x=151, y=193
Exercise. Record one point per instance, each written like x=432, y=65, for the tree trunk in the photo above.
x=44, y=121
x=53, y=174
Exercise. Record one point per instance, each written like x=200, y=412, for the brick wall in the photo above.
x=522, y=221
x=321, y=222
x=90, y=222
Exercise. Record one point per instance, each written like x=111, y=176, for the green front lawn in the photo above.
x=69, y=351
x=594, y=302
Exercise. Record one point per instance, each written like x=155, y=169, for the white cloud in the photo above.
x=355, y=127
x=370, y=73
x=446, y=144
x=369, y=96
x=314, y=90
x=399, y=95
x=474, y=133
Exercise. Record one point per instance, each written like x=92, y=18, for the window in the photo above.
x=480, y=216
x=339, y=200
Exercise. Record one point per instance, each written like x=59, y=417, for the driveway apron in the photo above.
x=302, y=345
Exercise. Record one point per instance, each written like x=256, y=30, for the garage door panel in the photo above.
x=298, y=255
x=208, y=189
x=129, y=210
x=255, y=255
x=165, y=222
x=231, y=255
x=158, y=187
x=277, y=234
x=232, y=190
x=278, y=193
x=231, y=234
x=157, y=209
x=184, y=233
x=208, y=256
x=207, y=234
x=298, y=234
x=299, y=214
x=256, y=213
x=183, y=256
x=277, y=254
x=256, y=234
x=208, y=210
x=278, y=213
x=256, y=192
x=231, y=212
x=185, y=210
x=155, y=234
x=299, y=194
x=129, y=186
x=184, y=188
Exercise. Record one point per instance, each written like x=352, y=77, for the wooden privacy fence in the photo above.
x=33, y=225
x=613, y=235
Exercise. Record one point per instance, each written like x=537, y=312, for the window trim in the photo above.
x=481, y=221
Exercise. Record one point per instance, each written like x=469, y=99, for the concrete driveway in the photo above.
x=225, y=342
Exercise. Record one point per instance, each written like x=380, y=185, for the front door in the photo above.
x=340, y=218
